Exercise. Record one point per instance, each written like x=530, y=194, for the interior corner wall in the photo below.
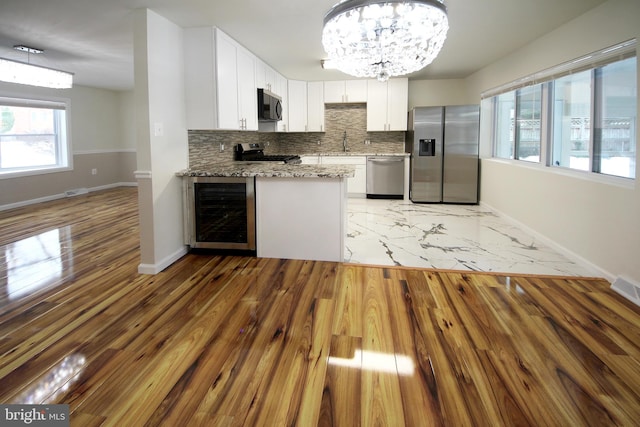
x=95, y=143
x=590, y=218
x=161, y=135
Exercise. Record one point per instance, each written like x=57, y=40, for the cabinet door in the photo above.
x=297, y=106
x=356, y=91
x=357, y=185
x=343, y=91
x=271, y=80
x=281, y=89
x=247, y=93
x=261, y=74
x=334, y=92
x=397, y=104
x=315, y=107
x=227, y=82
x=387, y=104
x=200, y=84
x=376, y=106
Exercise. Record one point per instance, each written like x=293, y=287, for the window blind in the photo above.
x=593, y=60
x=33, y=103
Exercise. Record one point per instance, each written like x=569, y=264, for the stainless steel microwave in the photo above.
x=269, y=106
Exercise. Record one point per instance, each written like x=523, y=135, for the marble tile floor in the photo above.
x=451, y=237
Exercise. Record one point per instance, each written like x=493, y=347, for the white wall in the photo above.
x=97, y=141
x=428, y=93
x=595, y=219
x=159, y=102
x=127, y=120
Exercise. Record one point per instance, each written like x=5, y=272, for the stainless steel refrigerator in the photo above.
x=443, y=142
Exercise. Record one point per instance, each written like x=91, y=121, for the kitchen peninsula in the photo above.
x=301, y=210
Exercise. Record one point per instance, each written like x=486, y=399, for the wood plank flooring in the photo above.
x=237, y=341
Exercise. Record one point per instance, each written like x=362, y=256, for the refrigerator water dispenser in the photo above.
x=427, y=147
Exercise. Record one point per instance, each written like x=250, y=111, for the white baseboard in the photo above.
x=166, y=262
x=597, y=271
x=63, y=195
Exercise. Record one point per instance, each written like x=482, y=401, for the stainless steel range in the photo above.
x=254, y=153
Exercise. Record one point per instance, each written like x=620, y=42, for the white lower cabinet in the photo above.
x=356, y=186
x=301, y=218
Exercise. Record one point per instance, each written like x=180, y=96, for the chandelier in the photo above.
x=381, y=39
x=33, y=75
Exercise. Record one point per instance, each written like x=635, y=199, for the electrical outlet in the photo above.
x=221, y=147
x=94, y=171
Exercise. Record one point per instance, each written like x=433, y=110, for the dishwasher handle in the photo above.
x=385, y=159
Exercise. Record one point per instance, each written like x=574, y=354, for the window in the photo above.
x=577, y=117
x=518, y=124
x=33, y=136
x=616, y=122
x=504, y=134
x=572, y=121
x=528, y=125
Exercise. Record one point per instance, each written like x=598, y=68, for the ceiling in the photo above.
x=94, y=38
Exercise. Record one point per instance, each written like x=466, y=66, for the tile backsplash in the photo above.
x=204, y=146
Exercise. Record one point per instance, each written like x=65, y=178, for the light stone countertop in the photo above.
x=270, y=170
x=355, y=153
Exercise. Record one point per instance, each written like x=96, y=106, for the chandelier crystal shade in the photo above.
x=381, y=39
x=34, y=75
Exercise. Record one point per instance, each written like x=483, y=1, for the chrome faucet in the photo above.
x=344, y=141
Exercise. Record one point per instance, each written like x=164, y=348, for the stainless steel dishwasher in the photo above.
x=385, y=177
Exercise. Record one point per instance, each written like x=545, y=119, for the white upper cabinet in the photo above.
x=200, y=82
x=387, y=105
x=220, y=82
x=266, y=77
x=247, y=91
x=343, y=91
x=237, y=95
x=315, y=107
x=297, y=102
x=306, y=106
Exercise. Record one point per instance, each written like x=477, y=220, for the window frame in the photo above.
x=62, y=127
x=593, y=63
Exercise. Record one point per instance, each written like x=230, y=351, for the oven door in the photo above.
x=221, y=213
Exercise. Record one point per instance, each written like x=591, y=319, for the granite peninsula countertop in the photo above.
x=270, y=170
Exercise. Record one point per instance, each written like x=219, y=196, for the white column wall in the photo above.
x=161, y=138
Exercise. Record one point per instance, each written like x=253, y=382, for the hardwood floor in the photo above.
x=228, y=340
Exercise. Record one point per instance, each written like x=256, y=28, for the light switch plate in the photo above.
x=158, y=129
